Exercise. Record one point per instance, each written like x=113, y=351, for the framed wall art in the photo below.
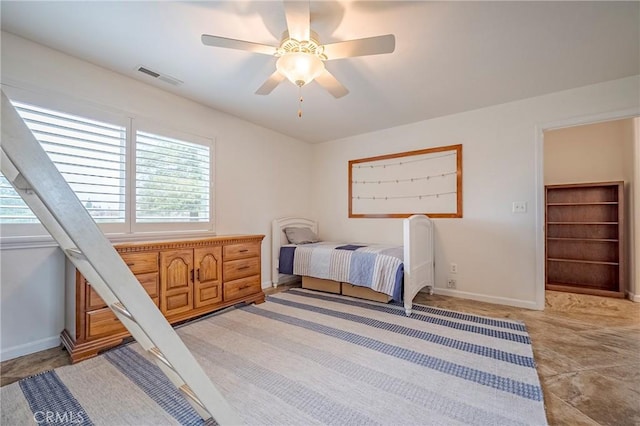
x=427, y=181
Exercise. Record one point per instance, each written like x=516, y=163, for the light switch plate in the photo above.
x=519, y=207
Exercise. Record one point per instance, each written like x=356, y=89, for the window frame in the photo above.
x=19, y=233
x=149, y=126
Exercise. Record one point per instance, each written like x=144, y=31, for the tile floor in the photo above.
x=587, y=349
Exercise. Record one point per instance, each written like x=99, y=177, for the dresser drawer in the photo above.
x=241, y=251
x=148, y=281
x=241, y=288
x=141, y=262
x=103, y=322
x=240, y=268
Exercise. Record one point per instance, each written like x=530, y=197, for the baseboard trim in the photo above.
x=29, y=348
x=488, y=299
x=290, y=279
x=633, y=297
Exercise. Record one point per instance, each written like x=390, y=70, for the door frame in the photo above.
x=539, y=197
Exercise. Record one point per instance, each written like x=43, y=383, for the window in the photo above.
x=172, y=180
x=89, y=154
x=127, y=183
x=12, y=208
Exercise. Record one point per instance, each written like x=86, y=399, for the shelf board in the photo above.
x=593, y=262
x=582, y=223
x=586, y=203
x=600, y=240
x=578, y=288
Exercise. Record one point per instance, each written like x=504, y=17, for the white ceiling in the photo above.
x=450, y=56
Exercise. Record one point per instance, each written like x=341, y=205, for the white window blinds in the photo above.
x=12, y=208
x=172, y=180
x=91, y=155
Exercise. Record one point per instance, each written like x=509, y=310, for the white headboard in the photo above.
x=278, y=238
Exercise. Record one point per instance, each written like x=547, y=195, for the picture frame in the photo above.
x=426, y=181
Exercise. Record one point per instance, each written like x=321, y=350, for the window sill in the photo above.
x=46, y=241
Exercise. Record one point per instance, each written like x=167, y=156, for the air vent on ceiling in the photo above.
x=163, y=77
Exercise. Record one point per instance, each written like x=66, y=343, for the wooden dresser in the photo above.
x=185, y=279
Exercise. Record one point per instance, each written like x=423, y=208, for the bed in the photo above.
x=414, y=272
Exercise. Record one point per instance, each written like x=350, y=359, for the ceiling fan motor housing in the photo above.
x=311, y=46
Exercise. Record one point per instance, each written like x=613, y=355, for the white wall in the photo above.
x=495, y=249
x=252, y=187
x=596, y=152
x=31, y=300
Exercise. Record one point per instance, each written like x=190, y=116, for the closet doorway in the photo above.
x=589, y=176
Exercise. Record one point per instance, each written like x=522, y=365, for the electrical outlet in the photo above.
x=453, y=268
x=451, y=283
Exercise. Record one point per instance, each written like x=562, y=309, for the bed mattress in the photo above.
x=375, y=266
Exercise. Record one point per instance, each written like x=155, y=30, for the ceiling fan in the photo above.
x=300, y=54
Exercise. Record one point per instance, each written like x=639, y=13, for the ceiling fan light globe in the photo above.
x=300, y=68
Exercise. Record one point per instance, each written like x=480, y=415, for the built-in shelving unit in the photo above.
x=584, y=238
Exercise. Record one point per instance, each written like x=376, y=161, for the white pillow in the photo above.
x=301, y=235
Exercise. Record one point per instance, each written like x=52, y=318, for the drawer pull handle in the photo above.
x=130, y=264
x=241, y=268
x=244, y=287
x=244, y=250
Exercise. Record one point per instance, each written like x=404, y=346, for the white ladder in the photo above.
x=34, y=176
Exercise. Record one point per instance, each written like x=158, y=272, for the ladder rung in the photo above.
x=120, y=308
x=158, y=354
x=75, y=252
x=21, y=183
x=187, y=391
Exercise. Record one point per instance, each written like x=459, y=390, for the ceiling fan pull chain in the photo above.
x=300, y=101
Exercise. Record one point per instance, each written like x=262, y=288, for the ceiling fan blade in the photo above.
x=271, y=83
x=231, y=43
x=333, y=86
x=298, y=19
x=361, y=47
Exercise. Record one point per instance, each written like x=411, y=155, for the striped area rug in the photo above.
x=305, y=358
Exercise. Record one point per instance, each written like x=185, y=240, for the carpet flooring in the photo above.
x=310, y=358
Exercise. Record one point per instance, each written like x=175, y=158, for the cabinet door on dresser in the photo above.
x=176, y=281
x=208, y=276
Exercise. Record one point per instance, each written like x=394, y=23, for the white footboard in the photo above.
x=418, y=257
